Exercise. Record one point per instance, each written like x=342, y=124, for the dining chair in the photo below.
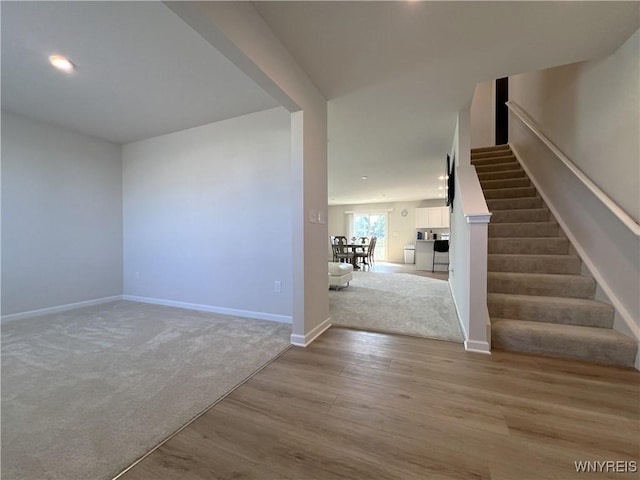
x=341, y=251
x=363, y=252
x=371, y=250
x=332, y=242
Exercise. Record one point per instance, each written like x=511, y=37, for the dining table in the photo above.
x=354, y=248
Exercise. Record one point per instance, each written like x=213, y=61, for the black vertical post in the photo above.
x=502, y=113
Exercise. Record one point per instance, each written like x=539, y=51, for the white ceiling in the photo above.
x=141, y=71
x=395, y=73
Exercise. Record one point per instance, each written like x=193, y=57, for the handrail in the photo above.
x=623, y=216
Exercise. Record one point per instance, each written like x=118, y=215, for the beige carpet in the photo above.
x=86, y=392
x=397, y=303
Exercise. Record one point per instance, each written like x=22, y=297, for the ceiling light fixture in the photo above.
x=364, y=177
x=62, y=63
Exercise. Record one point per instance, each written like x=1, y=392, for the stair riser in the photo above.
x=501, y=175
x=539, y=343
x=491, y=154
x=579, y=287
x=510, y=193
x=531, y=246
x=502, y=230
x=514, y=203
x=500, y=167
x=494, y=148
x=504, y=183
x=520, y=216
x=555, y=264
x=587, y=316
x=493, y=160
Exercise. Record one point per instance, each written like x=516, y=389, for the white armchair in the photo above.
x=340, y=274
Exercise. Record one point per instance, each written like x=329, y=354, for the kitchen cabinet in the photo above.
x=422, y=217
x=432, y=217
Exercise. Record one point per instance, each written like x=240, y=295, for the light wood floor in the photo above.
x=359, y=405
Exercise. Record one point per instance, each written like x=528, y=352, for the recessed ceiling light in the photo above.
x=62, y=63
x=440, y=188
x=441, y=177
x=364, y=177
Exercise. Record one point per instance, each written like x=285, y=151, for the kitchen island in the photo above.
x=424, y=256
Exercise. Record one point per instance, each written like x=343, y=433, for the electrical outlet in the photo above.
x=320, y=217
x=277, y=286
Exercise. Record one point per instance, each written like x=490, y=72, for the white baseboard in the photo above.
x=462, y=327
x=210, y=308
x=59, y=308
x=305, y=340
x=469, y=345
x=477, y=347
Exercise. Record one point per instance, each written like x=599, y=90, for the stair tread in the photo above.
x=537, y=284
x=531, y=255
x=528, y=223
x=491, y=148
x=590, y=344
x=549, y=300
x=519, y=210
x=529, y=238
x=510, y=192
x=528, y=245
x=572, y=329
x=542, y=276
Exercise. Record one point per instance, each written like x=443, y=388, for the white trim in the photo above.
x=370, y=210
x=606, y=289
x=478, y=217
x=465, y=334
x=305, y=340
x=210, y=308
x=477, y=347
x=59, y=308
x=629, y=222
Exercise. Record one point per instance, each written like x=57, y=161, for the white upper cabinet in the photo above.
x=422, y=217
x=435, y=217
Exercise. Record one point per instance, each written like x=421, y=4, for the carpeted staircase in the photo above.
x=539, y=302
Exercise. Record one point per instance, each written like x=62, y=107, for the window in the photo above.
x=372, y=225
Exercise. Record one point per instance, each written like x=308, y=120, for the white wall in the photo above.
x=468, y=248
x=240, y=33
x=61, y=216
x=208, y=216
x=401, y=230
x=590, y=111
x=483, y=115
